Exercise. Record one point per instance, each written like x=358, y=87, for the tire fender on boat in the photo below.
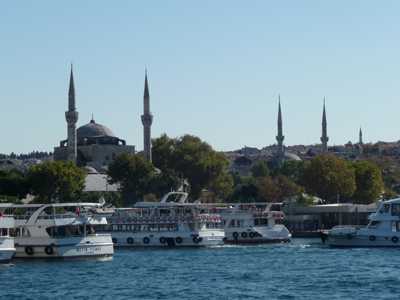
x=146, y=240
x=178, y=240
x=129, y=240
x=372, y=238
x=235, y=235
x=349, y=236
x=29, y=250
x=225, y=239
x=395, y=239
x=49, y=250
x=251, y=234
x=114, y=240
x=162, y=240
x=244, y=234
x=195, y=239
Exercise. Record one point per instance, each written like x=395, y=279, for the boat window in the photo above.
x=385, y=208
x=136, y=227
x=154, y=227
x=163, y=227
x=395, y=209
x=394, y=226
x=125, y=227
x=373, y=224
x=114, y=227
x=145, y=227
x=173, y=227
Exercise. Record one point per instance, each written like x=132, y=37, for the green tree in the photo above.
x=267, y=189
x=326, y=176
x=133, y=174
x=196, y=160
x=52, y=181
x=390, y=170
x=369, y=182
x=389, y=194
x=260, y=170
x=12, y=183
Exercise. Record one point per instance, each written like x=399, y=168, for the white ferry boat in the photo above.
x=59, y=231
x=251, y=222
x=7, y=248
x=383, y=229
x=172, y=222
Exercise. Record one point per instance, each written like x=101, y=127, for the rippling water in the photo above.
x=304, y=269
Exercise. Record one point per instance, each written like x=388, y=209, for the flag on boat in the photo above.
x=77, y=209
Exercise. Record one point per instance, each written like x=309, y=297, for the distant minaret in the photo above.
x=72, y=117
x=324, y=138
x=360, y=139
x=147, y=120
x=360, y=143
x=280, y=137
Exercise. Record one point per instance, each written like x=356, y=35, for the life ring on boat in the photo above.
x=49, y=250
x=158, y=220
x=134, y=220
x=195, y=239
x=129, y=240
x=182, y=219
x=395, y=239
x=114, y=240
x=255, y=215
x=349, y=236
x=251, y=234
x=225, y=239
x=170, y=219
x=146, y=240
x=28, y=250
x=244, y=234
x=178, y=240
x=235, y=235
x=162, y=240
x=176, y=219
x=152, y=220
x=372, y=238
x=164, y=219
x=193, y=219
x=265, y=215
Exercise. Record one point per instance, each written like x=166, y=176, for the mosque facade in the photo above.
x=92, y=146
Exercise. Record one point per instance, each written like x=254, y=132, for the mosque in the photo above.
x=281, y=155
x=94, y=146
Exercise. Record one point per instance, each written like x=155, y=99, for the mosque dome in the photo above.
x=90, y=170
x=286, y=156
x=93, y=130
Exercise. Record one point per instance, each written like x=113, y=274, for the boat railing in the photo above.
x=356, y=227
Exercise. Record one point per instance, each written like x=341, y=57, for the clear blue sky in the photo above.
x=215, y=70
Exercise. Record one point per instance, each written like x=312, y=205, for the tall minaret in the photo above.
x=280, y=137
x=147, y=120
x=72, y=117
x=324, y=138
x=360, y=137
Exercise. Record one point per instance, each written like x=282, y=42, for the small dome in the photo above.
x=90, y=170
x=103, y=169
x=93, y=130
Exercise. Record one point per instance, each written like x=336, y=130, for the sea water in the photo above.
x=303, y=269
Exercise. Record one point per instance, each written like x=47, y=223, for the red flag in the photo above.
x=77, y=210
x=274, y=201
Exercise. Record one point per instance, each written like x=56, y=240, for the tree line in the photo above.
x=326, y=176
x=33, y=154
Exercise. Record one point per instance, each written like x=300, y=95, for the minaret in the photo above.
x=324, y=138
x=360, y=143
x=72, y=117
x=147, y=120
x=280, y=137
x=360, y=137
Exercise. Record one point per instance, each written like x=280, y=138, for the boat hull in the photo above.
x=74, y=247
x=175, y=239
x=7, y=249
x=258, y=235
